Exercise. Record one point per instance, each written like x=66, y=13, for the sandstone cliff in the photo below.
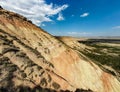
x=30, y=57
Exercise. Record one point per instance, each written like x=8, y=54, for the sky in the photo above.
x=70, y=17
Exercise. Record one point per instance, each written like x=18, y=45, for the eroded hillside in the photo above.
x=31, y=59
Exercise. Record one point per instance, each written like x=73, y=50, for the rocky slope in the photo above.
x=30, y=58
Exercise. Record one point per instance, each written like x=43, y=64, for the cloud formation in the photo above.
x=78, y=33
x=60, y=17
x=37, y=11
x=84, y=14
x=116, y=27
x=43, y=25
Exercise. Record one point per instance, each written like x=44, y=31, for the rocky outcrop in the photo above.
x=30, y=58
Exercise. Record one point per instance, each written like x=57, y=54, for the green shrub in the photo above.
x=43, y=82
x=55, y=85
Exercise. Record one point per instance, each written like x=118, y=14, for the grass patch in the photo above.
x=103, y=57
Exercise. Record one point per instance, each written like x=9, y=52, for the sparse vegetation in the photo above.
x=12, y=68
x=49, y=78
x=23, y=75
x=55, y=85
x=21, y=54
x=104, y=57
x=82, y=90
x=43, y=82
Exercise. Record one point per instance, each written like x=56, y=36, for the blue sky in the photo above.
x=72, y=17
x=103, y=18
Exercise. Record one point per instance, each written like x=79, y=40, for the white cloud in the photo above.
x=72, y=33
x=37, y=11
x=43, y=25
x=78, y=33
x=84, y=14
x=60, y=17
x=116, y=27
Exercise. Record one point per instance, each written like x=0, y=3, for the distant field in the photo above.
x=105, y=51
x=89, y=41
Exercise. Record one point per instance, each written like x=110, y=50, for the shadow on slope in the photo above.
x=36, y=89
